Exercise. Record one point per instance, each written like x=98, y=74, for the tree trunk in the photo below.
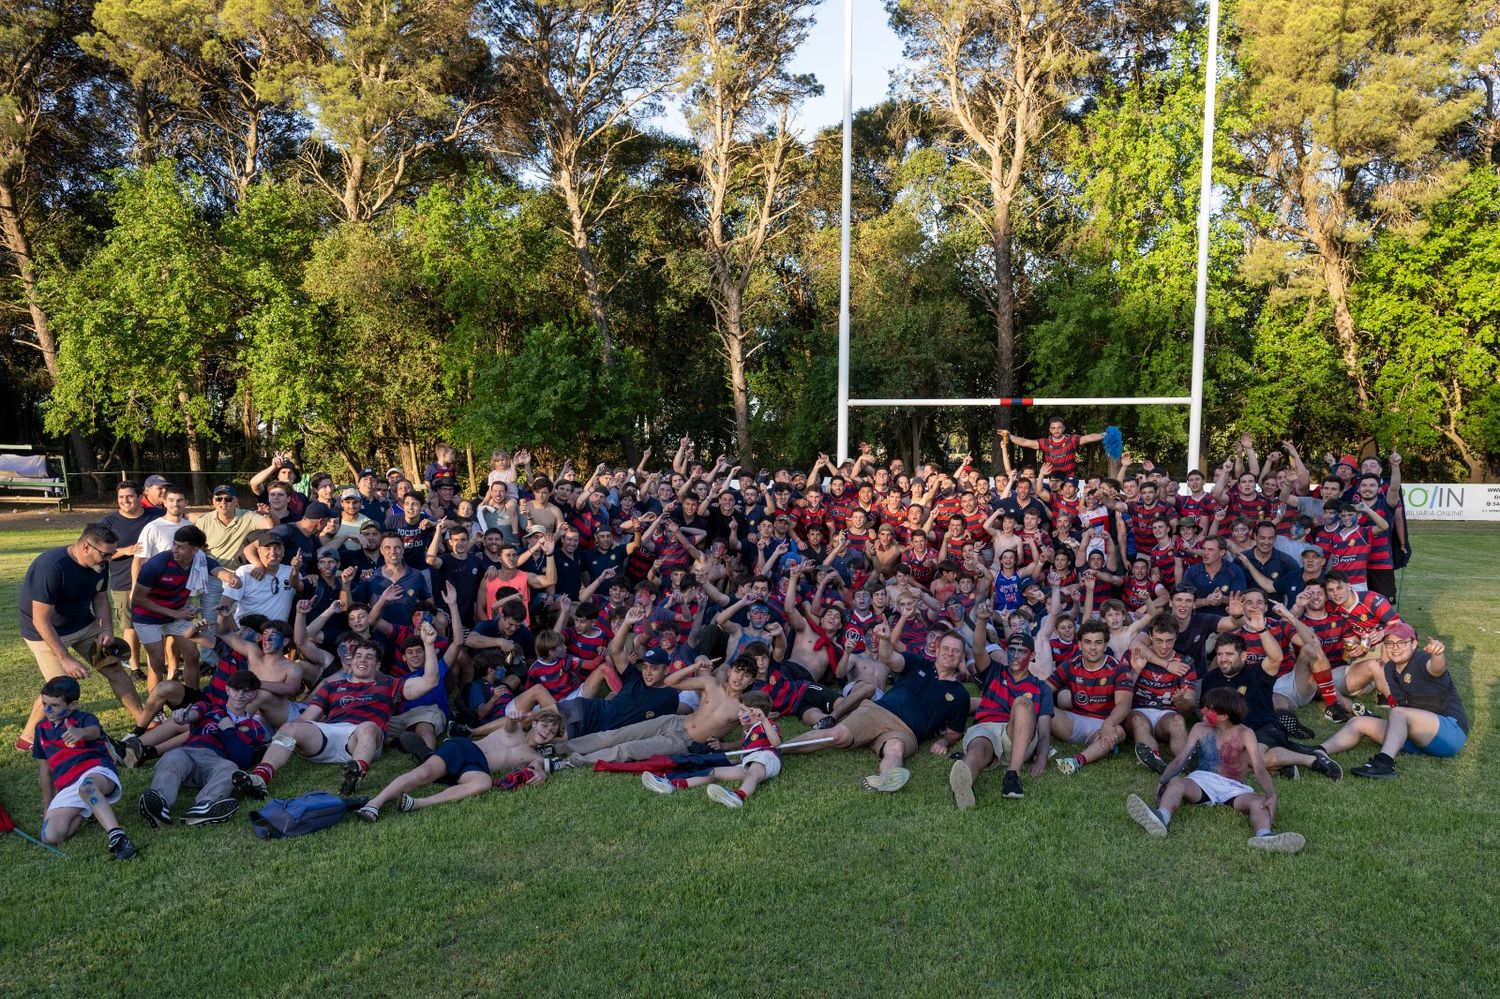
x=352, y=182
x=1343, y=321
x=915, y=464
x=194, y=453
x=249, y=430
x=739, y=387
x=18, y=243
x=1005, y=317
x=593, y=290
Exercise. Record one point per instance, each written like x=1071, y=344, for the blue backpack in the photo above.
x=315, y=810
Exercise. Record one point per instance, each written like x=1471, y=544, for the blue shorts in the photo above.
x=1448, y=741
x=461, y=756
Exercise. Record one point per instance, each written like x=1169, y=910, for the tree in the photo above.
x=47, y=122
x=1000, y=74
x=583, y=74
x=739, y=94
x=1354, y=100
x=221, y=64
x=146, y=318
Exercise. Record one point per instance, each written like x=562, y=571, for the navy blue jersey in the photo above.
x=239, y=740
x=929, y=706
x=70, y=587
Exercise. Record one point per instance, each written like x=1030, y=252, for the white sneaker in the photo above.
x=658, y=784
x=1146, y=816
x=891, y=780
x=961, y=780
x=725, y=797
x=1287, y=842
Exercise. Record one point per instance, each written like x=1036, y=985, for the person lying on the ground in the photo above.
x=761, y=760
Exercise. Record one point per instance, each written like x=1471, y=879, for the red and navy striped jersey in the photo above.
x=1063, y=652
x=1141, y=517
x=1137, y=593
x=671, y=552
x=914, y=635
x=923, y=566
x=1093, y=691
x=1199, y=508
x=806, y=516
x=1001, y=687
x=239, y=740
x=974, y=524
x=66, y=763
x=1156, y=685
x=586, y=648
x=216, y=691
x=858, y=541
x=1349, y=553
x=756, y=739
x=1380, y=541
x=168, y=587
x=347, y=701
x=560, y=677
x=1330, y=629
x=1164, y=561
x=1254, y=509
x=1061, y=453
x=478, y=692
x=784, y=693
x=1371, y=613
x=1255, y=648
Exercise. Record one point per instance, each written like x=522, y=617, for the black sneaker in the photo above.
x=1380, y=767
x=1289, y=773
x=132, y=751
x=211, y=812
x=1337, y=713
x=825, y=723
x=1010, y=787
x=1194, y=758
x=247, y=785
x=120, y=848
x=1149, y=757
x=352, y=776
x=413, y=745
x=155, y=810
x=1326, y=765
x=1293, y=726
x=458, y=730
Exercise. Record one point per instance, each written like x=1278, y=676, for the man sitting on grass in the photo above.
x=1227, y=750
x=1427, y=715
x=471, y=767
x=346, y=717
x=1094, y=695
x=918, y=707
x=761, y=760
x=220, y=742
x=75, y=769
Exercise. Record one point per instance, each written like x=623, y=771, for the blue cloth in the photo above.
x=1448, y=741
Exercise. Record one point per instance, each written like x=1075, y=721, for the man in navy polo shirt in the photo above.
x=1215, y=578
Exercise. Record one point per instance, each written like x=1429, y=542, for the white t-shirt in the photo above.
x=271, y=595
x=156, y=537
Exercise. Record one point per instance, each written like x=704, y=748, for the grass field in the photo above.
x=590, y=885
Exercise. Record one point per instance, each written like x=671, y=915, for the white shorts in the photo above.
x=1084, y=727
x=998, y=734
x=767, y=758
x=150, y=634
x=879, y=691
x=1288, y=687
x=69, y=797
x=1218, y=789
x=1152, y=715
x=690, y=698
x=336, y=737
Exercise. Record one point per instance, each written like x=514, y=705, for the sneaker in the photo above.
x=1067, y=766
x=1293, y=726
x=1292, y=772
x=962, y=783
x=23, y=745
x=825, y=723
x=457, y=730
x=725, y=797
x=369, y=813
x=352, y=776
x=1380, y=767
x=132, y=751
x=211, y=813
x=120, y=848
x=248, y=785
x=1194, y=758
x=1146, y=816
x=155, y=810
x=1364, y=710
x=660, y=785
x=1150, y=758
x=1011, y=786
x=1326, y=765
x=891, y=780
x=1337, y=713
x=412, y=744
x=552, y=764
x=1278, y=842
x=406, y=803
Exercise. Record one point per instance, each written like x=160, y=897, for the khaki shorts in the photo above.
x=81, y=642
x=119, y=605
x=998, y=734
x=874, y=726
x=428, y=713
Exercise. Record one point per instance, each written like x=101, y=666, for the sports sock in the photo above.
x=1326, y=690
x=148, y=753
x=138, y=731
x=612, y=678
x=264, y=771
x=1080, y=760
x=740, y=793
x=364, y=767
x=679, y=782
x=1165, y=816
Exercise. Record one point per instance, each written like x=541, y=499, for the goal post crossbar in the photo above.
x=1150, y=400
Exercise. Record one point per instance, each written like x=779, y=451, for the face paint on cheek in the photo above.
x=1211, y=716
x=275, y=640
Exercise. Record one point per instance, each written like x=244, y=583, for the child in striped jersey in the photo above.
x=77, y=773
x=762, y=760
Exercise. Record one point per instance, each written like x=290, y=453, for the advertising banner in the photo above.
x=1451, y=501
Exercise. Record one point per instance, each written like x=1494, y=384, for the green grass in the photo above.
x=590, y=885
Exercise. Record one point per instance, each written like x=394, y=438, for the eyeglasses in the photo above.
x=97, y=549
x=223, y=499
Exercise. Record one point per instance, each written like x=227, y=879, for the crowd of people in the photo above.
x=670, y=619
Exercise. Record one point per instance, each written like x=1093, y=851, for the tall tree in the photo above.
x=739, y=95
x=1000, y=74
x=47, y=133
x=580, y=76
x=221, y=66
x=1355, y=101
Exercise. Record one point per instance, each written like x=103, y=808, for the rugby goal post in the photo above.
x=1194, y=400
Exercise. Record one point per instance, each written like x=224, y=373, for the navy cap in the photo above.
x=367, y=473
x=656, y=657
x=316, y=510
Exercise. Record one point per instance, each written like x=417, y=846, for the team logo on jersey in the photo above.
x=650, y=714
x=1242, y=691
x=1406, y=678
x=411, y=593
x=947, y=697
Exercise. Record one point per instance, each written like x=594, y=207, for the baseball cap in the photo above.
x=1350, y=460
x=1401, y=630
x=656, y=657
x=349, y=494
x=156, y=480
x=224, y=490
x=1019, y=641
x=393, y=471
x=367, y=473
x=535, y=529
x=316, y=510
x=1025, y=583
x=761, y=607
x=443, y=480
